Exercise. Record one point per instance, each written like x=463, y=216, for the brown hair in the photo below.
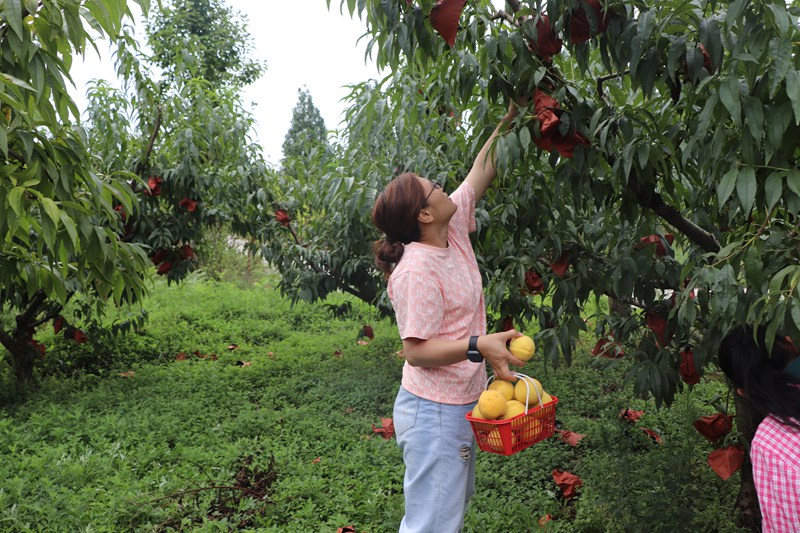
x=395, y=214
x=768, y=387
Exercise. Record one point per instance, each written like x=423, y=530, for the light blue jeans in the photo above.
x=439, y=454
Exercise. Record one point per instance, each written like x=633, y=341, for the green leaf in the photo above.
x=793, y=91
x=729, y=94
x=746, y=187
x=754, y=116
x=643, y=153
x=525, y=138
x=13, y=15
x=781, y=54
x=8, y=78
x=710, y=37
x=753, y=267
x=72, y=230
x=776, y=282
x=773, y=188
x=793, y=181
x=777, y=120
x=648, y=71
x=51, y=209
x=772, y=328
x=780, y=17
x=726, y=185
x=735, y=11
x=795, y=312
x=48, y=232
x=15, y=200
x=4, y=141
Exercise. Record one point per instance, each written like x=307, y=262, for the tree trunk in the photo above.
x=747, y=421
x=23, y=365
x=21, y=357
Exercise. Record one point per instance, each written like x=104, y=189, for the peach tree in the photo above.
x=655, y=164
x=179, y=127
x=61, y=235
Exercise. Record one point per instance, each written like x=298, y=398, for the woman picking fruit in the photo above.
x=437, y=294
x=770, y=382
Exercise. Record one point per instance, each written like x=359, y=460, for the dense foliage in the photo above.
x=655, y=163
x=202, y=39
x=184, y=131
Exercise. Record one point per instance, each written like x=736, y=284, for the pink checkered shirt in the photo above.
x=775, y=454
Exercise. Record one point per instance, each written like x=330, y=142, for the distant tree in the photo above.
x=187, y=135
x=202, y=39
x=307, y=132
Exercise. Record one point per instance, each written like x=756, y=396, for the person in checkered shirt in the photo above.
x=770, y=382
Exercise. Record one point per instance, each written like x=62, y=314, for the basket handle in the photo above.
x=527, y=388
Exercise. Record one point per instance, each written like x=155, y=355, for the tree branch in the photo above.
x=502, y=15
x=143, y=163
x=514, y=5
x=654, y=201
x=178, y=494
x=603, y=79
x=25, y=319
x=8, y=342
x=48, y=316
x=625, y=300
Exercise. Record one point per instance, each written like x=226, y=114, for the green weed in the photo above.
x=275, y=433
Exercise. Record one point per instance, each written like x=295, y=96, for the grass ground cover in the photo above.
x=277, y=434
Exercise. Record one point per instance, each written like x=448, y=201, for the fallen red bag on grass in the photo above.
x=568, y=483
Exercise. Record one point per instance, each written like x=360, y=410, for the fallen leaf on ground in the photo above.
x=387, y=431
x=570, y=437
x=655, y=436
x=630, y=415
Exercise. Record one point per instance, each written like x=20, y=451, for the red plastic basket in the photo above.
x=507, y=437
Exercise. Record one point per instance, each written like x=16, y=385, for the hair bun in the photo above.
x=388, y=253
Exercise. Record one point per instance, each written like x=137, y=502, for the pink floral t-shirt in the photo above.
x=438, y=292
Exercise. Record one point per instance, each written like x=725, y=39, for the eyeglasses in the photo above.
x=436, y=185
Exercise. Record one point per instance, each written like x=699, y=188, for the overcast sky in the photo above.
x=302, y=43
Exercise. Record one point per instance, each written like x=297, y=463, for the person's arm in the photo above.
x=483, y=169
x=439, y=352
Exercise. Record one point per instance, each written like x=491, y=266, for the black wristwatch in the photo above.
x=472, y=352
